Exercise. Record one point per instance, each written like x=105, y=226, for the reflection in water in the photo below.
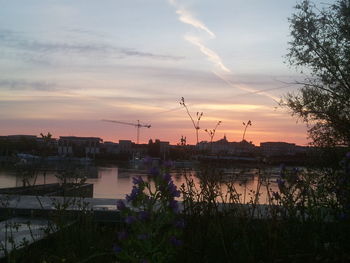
x=108, y=184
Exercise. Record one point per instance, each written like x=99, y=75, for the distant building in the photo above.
x=30, y=144
x=223, y=146
x=164, y=149
x=19, y=138
x=278, y=148
x=159, y=149
x=79, y=146
x=12, y=144
x=111, y=147
x=125, y=146
x=242, y=148
x=140, y=150
x=220, y=146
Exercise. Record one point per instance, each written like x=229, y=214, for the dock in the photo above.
x=103, y=209
x=55, y=189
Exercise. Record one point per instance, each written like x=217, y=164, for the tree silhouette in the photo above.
x=320, y=45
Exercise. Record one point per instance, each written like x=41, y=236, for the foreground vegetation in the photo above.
x=307, y=220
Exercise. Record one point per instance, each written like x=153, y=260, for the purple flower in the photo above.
x=347, y=155
x=167, y=178
x=120, y=205
x=175, y=242
x=117, y=249
x=142, y=236
x=174, y=205
x=180, y=223
x=144, y=215
x=123, y=235
x=137, y=180
x=130, y=219
x=173, y=190
x=168, y=164
x=343, y=216
x=133, y=195
x=147, y=160
x=154, y=171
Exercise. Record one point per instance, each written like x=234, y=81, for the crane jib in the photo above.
x=137, y=125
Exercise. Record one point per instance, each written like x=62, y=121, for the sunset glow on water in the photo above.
x=113, y=184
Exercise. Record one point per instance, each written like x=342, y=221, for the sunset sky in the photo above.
x=66, y=65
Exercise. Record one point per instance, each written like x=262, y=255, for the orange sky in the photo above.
x=66, y=65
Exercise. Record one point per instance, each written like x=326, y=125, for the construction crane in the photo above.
x=137, y=125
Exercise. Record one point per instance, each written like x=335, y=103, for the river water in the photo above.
x=114, y=182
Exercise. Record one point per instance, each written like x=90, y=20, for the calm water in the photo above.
x=112, y=182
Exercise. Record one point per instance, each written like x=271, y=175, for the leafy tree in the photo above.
x=320, y=49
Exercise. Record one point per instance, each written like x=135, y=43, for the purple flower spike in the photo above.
x=147, y=160
x=123, y=235
x=154, y=171
x=167, y=178
x=174, y=205
x=142, y=236
x=117, y=249
x=175, y=242
x=347, y=155
x=144, y=215
x=343, y=216
x=168, y=164
x=130, y=219
x=137, y=180
x=120, y=205
x=173, y=190
x=133, y=195
x=180, y=223
x=177, y=193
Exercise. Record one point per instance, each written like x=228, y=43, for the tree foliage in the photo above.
x=320, y=49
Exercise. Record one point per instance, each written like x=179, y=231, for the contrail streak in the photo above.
x=252, y=91
x=212, y=56
x=187, y=18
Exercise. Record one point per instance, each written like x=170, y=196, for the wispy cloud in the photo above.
x=14, y=84
x=22, y=43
